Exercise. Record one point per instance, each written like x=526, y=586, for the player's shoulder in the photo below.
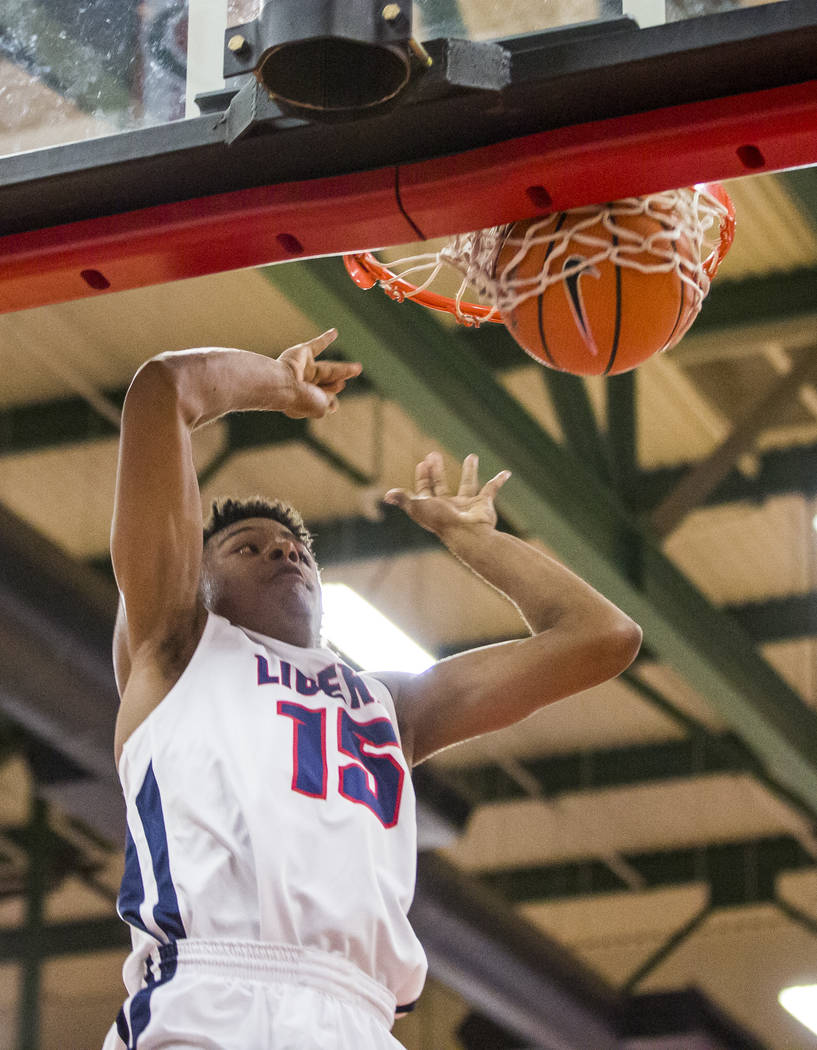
x=147, y=674
x=394, y=681
x=398, y=683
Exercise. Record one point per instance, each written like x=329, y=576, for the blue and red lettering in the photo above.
x=308, y=748
x=355, y=739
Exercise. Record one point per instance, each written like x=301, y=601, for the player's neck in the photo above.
x=296, y=632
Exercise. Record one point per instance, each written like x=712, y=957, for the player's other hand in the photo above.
x=432, y=506
x=314, y=385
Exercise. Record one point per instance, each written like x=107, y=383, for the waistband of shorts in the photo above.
x=281, y=963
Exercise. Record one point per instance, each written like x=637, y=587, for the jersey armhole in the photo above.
x=211, y=625
x=385, y=680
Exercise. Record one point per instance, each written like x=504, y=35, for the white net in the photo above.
x=685, y=238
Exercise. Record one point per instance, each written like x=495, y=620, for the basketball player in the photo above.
x=270, y=849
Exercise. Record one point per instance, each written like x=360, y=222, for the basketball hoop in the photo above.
x=699, y=219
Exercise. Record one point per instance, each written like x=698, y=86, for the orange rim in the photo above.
x=727, y=230
x=366, y=271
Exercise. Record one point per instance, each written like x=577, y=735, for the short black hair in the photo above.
x=226, y=511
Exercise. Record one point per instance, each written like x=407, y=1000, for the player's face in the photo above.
x=257, y=574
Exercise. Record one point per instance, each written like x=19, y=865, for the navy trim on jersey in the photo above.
x=140, y=1003
x=132, y=890
x=122, y=1029
x=149, y=806
x=406, y=1009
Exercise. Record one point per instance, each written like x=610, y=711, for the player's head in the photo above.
x=225, y=512
x=259, y=569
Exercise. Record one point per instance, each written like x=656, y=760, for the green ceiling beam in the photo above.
x=621, y=434
x=70, y=421
x=66, y=938
x=28, y=1020
x=569, y=397
x=738, y=873
x=603, y=768
x=340, y=541
x=455, y=399
x=801, y=186
x=769, y=299
x=780, y=471
x=49, y=424
x=778, y=619
x=704, y=477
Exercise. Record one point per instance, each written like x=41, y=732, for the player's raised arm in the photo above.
x=578, y=638
x=156, y=542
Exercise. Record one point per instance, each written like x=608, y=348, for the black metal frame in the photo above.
x=559, y=78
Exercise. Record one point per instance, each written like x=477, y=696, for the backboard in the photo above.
x=75, y=71
x=111, y=176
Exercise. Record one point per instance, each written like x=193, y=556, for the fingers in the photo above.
x=490, y=488
x=429, y=476
x=469, y=479
x=398, y=498
x=329, y=373
x=320, y=342
x=430, y=480
x=321, y=372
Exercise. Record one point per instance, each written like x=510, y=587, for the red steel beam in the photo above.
x=761, y=131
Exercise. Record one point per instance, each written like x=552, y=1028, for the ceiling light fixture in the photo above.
x=801, y=1002
x=363, y=634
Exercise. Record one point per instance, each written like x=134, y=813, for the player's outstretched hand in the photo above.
x=315, y=384
x=432, y=506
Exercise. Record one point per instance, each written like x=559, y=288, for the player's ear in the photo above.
x=319, y=633
x=206, y=581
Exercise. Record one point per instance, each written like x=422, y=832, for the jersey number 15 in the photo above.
x=372, y=779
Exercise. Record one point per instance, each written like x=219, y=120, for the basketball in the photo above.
x=596, y=291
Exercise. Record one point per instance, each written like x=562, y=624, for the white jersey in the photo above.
x=268, y=800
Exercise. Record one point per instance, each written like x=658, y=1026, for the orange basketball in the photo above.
x=608, y=290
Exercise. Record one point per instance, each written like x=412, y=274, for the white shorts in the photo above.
x=222, y=995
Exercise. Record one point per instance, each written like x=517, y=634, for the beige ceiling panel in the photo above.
x=682, y=425
x=65, y=493
x=359, y=434
x=15, y=789
x=593, y=922
x=739, y=552
x=528, y=385
x=646, y=817
x=10, y=978
x=81, y=996
x=12, y=912
x=800, y=889
x=796, y=662
x=610, y=715
x=376, y=437
x=434, y=1022
x=235, y=309
x=786, y=436
x=105, y=339
x=290, y=472
x=738, y=340
x=743, y=957
x=404, y=445
x=770, y=233
x=381, y=440
x=75, y=900
x=676, y=691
